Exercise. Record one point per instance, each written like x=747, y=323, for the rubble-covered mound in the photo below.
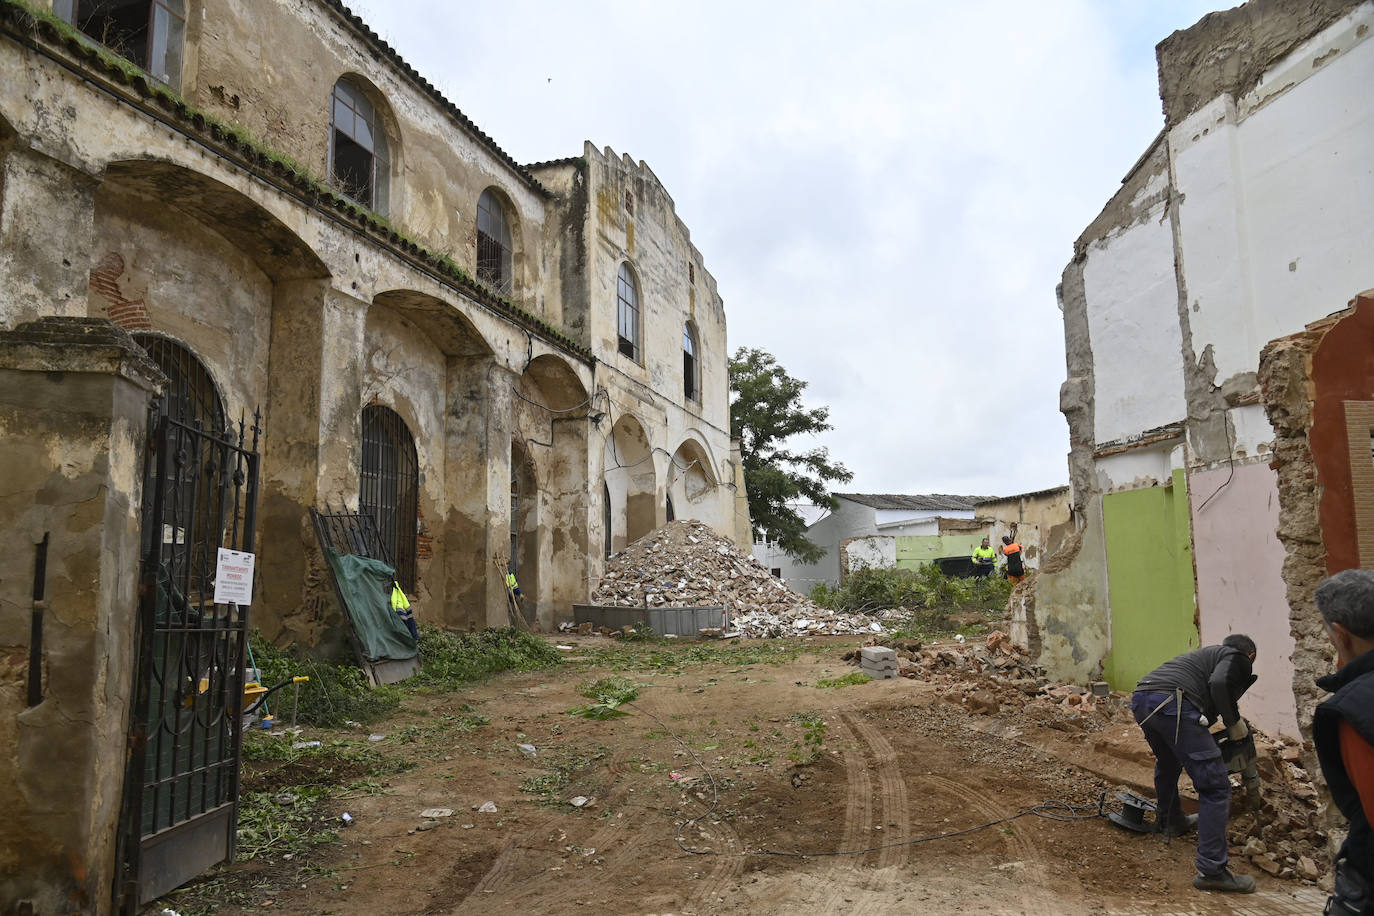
x=686, y=564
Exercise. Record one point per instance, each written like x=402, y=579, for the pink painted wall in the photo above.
x=1240, y=587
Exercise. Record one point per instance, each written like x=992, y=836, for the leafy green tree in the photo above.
x=765, y=411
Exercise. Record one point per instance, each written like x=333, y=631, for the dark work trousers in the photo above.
x=1181, y=742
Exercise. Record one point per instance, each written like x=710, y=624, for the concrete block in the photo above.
x=881, y=675
x=890, y=665
x=877, y=653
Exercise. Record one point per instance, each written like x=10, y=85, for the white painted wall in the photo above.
x=877, y=551
x=1276, y=190
x=1133, y=323
x=1139, y=468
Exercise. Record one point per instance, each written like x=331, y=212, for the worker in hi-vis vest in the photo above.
x=984, y=559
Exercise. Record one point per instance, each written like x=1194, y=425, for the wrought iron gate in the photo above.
x=181, y=790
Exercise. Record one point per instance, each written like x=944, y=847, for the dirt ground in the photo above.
x=735, y=784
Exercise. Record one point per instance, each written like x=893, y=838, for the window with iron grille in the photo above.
x=691, y=364
x=149, y=34
x=493, y=244
x=358, y=159
x=627, y=313
x=191, y=396
x=191, y=513
x=390, y=487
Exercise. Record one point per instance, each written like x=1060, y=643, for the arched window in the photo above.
x=150, y=33
x=493, y=243
x=390, y=486
x=190, y=397
x=358, y=158
x=627, y=312
x=691, y=364
x=190, y=511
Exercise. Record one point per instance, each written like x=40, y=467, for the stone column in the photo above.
x=74, y=396
x=47, y=224
x=310, y=449
x=476, y=528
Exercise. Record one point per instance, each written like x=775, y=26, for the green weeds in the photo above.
x=608, y=693
x=849, y=680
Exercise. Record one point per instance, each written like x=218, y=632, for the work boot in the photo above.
x=1182, y=827
x=1224, y=880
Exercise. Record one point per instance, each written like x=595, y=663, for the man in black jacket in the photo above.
x=1174, y=704
x=1343, y=732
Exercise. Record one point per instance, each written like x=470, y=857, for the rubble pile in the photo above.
x=686, y=564
x=991, y=677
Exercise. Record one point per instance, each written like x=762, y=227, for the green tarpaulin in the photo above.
x=366, y=588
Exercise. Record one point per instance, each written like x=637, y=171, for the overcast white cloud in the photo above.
x=886, y=193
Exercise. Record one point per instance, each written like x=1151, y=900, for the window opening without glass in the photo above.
x=627, y=313
x=691, y=365
x=390, y=485
x=149, y=34
x=493, y=243
x=358, y=157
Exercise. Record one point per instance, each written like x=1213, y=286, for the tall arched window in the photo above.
x=358, y=158
x=390, y=487
x=691, y=364
x=627, y=312
x=493, y=243
x=191, y=512
x=151, y=33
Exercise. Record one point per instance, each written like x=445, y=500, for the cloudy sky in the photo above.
x=885, y=192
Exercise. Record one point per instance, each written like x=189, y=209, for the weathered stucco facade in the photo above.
x=474, y=306
x=1245, y=220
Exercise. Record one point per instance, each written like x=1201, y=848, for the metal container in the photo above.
x=664, y=621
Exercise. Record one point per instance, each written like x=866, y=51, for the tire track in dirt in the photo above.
x=843, y=873
x=1021, y=846
x=893, y=809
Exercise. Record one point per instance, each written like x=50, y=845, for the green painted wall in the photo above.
x=1149, y=579
x=915, y=551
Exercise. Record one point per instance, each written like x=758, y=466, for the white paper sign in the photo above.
x=233, y=577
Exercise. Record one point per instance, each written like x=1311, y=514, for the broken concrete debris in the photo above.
x=686, y=564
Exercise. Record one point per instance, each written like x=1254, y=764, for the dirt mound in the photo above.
x=686, y=564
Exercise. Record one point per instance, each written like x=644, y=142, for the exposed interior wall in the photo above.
x=1150, y=579
x=1067, y=612
x=1240, y=587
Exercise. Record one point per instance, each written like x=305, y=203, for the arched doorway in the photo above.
x=389, y=486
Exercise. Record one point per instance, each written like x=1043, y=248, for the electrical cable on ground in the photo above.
x=1052, y=810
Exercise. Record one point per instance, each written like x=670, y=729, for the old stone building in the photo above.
x=503, y=364
x=1219, y=419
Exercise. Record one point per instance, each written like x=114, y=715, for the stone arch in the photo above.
x=632, y=478
x=273, y=246
x=448, y=328
x=691, y=476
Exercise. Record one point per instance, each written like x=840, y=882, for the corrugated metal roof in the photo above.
x=927, y=502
